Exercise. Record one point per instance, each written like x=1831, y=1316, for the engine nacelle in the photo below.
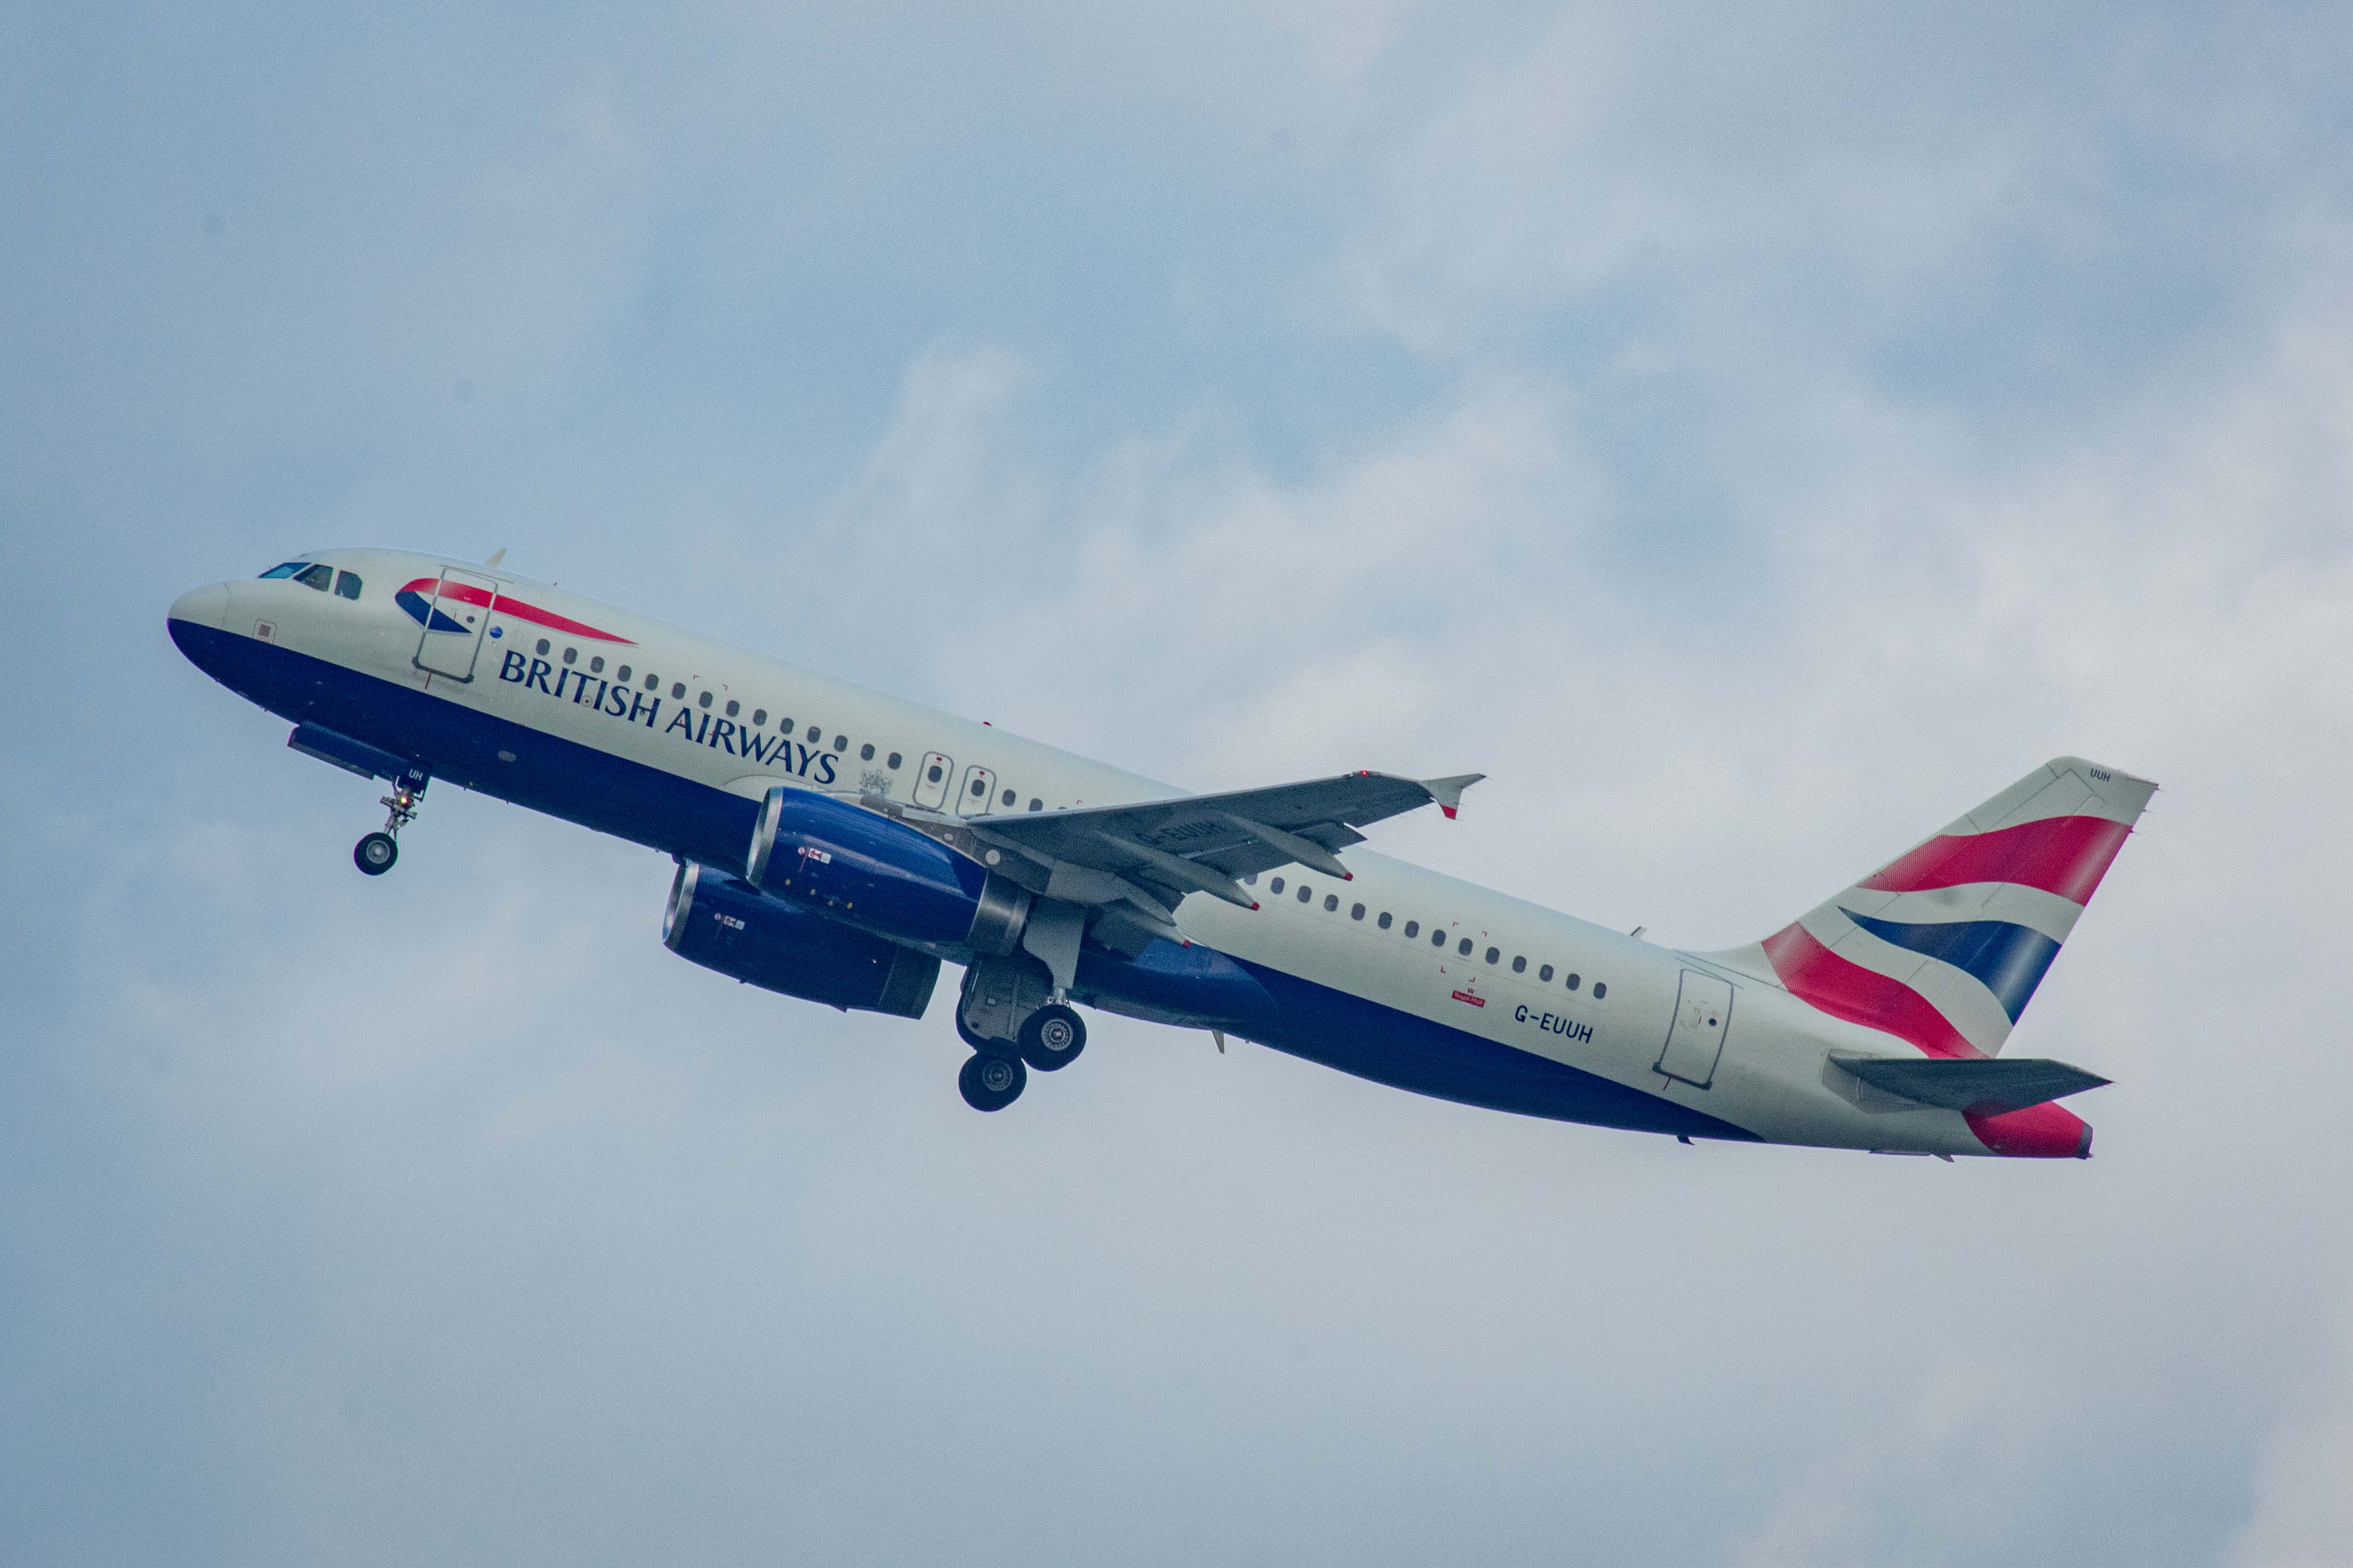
x=723, y=922
x=884, y=875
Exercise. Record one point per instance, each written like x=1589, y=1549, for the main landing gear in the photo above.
x=1011, y=1018
x=375, y=853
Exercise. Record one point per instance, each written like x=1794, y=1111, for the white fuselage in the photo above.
x=1772, y=1079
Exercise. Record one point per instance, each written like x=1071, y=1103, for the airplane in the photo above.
x=837, y=846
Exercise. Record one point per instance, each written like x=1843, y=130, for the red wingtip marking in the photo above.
x=1448, y=811
x=1348, y=876
x=1253, y=909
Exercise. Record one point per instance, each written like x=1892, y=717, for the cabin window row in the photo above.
x=624, y=675
x=1464, y=948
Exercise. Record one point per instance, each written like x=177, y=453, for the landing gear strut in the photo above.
x=375, y=853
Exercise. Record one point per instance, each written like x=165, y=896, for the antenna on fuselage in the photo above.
x=496, y=556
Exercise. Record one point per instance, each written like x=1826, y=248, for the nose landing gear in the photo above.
x=375, y=853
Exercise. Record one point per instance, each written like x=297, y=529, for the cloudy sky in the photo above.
x=1749, y=435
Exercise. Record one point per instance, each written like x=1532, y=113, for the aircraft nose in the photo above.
x=207, y=606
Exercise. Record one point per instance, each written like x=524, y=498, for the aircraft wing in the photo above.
x=1985, y=1085
x=1137, y=862
x=1206, y=843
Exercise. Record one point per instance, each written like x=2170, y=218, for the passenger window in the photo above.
x=597, y=665
x=784, y=726
x=1520, y=966
x=653, y=681
x=866, y=754
x=892, y=762
x=1010, y=796
x=759, y=717
x=1412, y=927
x=841, y=742
x=817, y=737
x=1356, y=911
x=677, y=687
x=542, y=648
x=1306, y=892
x=1275, y=886
x=702, y=699
x=1332, y=904
x=572, y=655
x=1385, y=920
x=935, y=775
x=1437, y=938
x=319, y=577
x=1599, y=991
x=622, y=675
x=734, y=708
x=1037, y=805
x=979, y=786
x=1465, y=948
x=1545, y=975
x=286, y=570
x=347, y=585
x=1572, y=983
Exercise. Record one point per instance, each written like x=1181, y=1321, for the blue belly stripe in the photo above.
x=2009, y=959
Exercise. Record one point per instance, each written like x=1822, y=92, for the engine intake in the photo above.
x=723, y=922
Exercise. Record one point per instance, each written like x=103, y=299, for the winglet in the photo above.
x=1448, y=793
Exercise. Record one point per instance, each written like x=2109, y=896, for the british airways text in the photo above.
x=700, y=728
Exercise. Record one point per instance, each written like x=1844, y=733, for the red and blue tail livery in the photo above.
x=1944, y=946
x=837, y=845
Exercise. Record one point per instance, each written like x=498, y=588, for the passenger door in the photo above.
x=974, y=797
x=454, y=622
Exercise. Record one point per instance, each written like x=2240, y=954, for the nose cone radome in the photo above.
x=207, y=606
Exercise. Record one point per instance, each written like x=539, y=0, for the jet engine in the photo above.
x=723, y=922
x=855, y=866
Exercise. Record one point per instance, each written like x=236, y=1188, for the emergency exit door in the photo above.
x=933, y=779
x=1695, y=1038
x=455, y=620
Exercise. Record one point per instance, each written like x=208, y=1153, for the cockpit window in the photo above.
x=286, y=570
x=347, y=583
x=319, y=577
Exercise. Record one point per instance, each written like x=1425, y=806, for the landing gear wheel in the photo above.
x=991, y=1082
x=1052, y=1038
x=375, y=853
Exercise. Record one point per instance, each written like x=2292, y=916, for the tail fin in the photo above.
x=1944, y=945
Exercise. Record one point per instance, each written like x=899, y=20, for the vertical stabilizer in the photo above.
x=1944, y=945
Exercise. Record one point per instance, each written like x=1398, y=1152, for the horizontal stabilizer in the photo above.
x=1985, y=1086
